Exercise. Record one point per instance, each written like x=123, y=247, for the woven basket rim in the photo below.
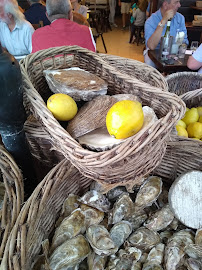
x=183, y=73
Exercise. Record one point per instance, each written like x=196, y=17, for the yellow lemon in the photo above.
x=191, y=116
x=181, y=131
x=195, y=130
x=187, y=109
x=199, y=109
x=62, y=106
x=200, y=119
x=181, y=123
x=124, y=119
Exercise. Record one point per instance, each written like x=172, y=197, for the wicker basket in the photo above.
x=125, y=164
x=138, y=70
x=40, y=143
x=182, y=154
x=37, y=217
x=14, y=195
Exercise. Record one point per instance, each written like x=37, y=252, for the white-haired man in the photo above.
x=155, y=25
x=15, y=31
x=62, y=30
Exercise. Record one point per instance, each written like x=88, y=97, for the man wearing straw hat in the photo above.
x=62, y=30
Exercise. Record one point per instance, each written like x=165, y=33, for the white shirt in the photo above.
x=19, y=41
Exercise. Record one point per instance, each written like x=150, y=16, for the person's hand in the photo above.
x=168, y=15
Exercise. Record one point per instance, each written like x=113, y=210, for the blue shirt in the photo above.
x=197, y=55
x=36, y=13
x=19, y=41
x=178, y=22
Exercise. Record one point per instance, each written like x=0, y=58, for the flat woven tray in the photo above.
x=38, y=215
x=13, y=198
x=125, y=164
x=183, y=154
x=137, y=70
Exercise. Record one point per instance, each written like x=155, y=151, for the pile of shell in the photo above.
x=122, y=231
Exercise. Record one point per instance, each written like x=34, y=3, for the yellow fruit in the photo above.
x=191, y=116
x=200, y=119
x=195, y=130
x=199, y=109
x=187, y=109
x=181, y=131
x=124, y=119
x=62, y=106
x=181, y=123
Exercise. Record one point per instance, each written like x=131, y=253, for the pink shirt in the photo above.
x=62, y=32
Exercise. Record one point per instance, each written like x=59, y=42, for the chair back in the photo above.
x=38, y=25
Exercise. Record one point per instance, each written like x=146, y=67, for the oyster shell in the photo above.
x=70, y=227
x=193, y=264
x=160, y=219
x=120, y=232
x=144, y=238
x=70, y=204
x=122, y=209
x=194, y=251
x=165, y=235
x=100, y=240
x=148, y=192
x=92, y=215
x=137, y=218
x=70, y=253
x=96, y=200
x=117, y=263
x=91, y=116
x=136, y=266
x=114, y=193
x=198, y=237
x=96, y=262
x=132, y=253
x=155, y=258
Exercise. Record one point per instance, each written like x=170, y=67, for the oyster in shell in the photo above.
x=174, y=250
x=70, y=204
x=96, y=199
x=96, y=262
x=160, y=219
x=92, y=215
x=100, y=240
x=194, y=251
x=137, y=218
x=136, y=266
x=132, y=253
x=144, y=238
x=155, y=258
x=120, y=232
x=69, y=228
x=122, y=209
x=70, y=253
x=91, y=116
x=148, y=192
x=198, y=237
x=193, y=264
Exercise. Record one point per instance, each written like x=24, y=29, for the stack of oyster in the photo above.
x=122, y=231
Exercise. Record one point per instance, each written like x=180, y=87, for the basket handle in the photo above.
x=191, y=94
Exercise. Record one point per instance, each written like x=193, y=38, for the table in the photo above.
x=179, y=65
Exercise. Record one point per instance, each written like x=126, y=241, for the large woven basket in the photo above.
x=37, y=217
x=138, y=70
x=125, y=164
x=14, y=195
x=182, y=154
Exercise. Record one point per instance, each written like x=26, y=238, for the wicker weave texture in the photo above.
x=14, y=195
x=125, y=164
x=183, y=154
x=39, y=214
x=137, y=70
x=40, y=143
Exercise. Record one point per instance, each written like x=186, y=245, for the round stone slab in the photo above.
x=185, y=199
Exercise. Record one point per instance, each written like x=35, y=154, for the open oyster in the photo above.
x=100, y=240
x=96, y=200
x=70, y=253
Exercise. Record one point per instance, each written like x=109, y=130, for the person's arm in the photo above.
x=153, y=41
x=193, y=63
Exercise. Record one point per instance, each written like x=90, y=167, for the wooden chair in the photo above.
x=38, y=25
x=136, y=30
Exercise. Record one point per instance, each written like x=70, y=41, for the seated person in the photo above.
x=79, y=8
x=15, y=31
x=62, y=30
x=139, y=15
x=80, y=19
x=155, y=25
x=36, y=12
x=195, y=60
